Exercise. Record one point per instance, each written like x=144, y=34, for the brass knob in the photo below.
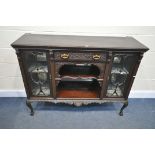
x=64, y=56
x=96, y=57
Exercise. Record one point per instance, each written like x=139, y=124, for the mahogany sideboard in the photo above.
x=78, y=70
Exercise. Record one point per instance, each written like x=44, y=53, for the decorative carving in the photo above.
x=78, y=102
x=81, y=56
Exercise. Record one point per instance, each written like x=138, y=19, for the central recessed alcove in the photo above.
x=79, y=70
x=78, y=89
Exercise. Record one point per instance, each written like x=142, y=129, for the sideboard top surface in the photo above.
x=71, y=41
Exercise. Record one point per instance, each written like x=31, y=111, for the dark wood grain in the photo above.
x=87, y=79
x=131, y=76
x=106, y=75
x=77, y=94
x=23, y=72
x=70, y=41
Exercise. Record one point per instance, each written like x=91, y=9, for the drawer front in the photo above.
x=82, y=56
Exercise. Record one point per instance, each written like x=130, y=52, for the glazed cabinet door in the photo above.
x=122, y=72
x=37, y=73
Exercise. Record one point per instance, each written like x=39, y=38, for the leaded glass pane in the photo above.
x=123, y=65
x=37, y=68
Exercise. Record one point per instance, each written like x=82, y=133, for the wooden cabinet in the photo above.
x=78, y=70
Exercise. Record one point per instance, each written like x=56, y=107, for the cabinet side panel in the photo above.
x=25, y=80
x=133, y=74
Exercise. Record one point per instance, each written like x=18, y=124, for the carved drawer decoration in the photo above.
x=85, y=56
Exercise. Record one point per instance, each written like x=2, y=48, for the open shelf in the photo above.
x=78, y=89
x=82, y=70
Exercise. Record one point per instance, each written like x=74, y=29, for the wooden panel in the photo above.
x=147, y=37
x=74, y=41
x=77, y=94
x=86, y=56
x=7, y=37
x=107, y=74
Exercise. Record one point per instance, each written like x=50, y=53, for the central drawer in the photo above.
x=79, y=56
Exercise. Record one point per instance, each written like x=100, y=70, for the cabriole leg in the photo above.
x=123, y=107
x=28, y=103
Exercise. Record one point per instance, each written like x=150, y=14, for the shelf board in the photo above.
x=65, y=93
x=80, y=75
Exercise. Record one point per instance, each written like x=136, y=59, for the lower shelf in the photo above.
x=78, y=89
x=77, y=94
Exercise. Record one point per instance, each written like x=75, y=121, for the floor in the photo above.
x=15, y=115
